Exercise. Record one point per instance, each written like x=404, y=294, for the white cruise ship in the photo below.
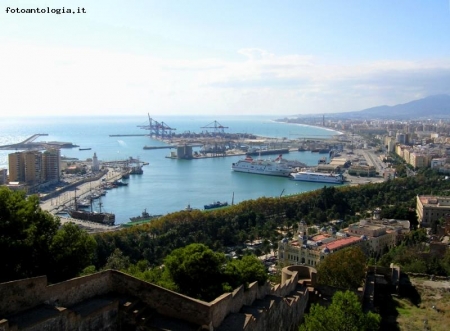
x=262, y=167
x=311, y=176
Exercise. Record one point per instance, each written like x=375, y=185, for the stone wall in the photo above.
x=164, y=301
x=19, y=296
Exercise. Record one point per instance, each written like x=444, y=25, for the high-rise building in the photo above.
x=16, y=167
x=33, y=167
x=51, y=160
x=3, y=176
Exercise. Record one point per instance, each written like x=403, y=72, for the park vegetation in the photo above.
x=42, y=246
x=344, y=269
x=33, y=242
x=344, y=313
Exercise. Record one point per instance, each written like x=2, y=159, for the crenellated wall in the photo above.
x=19, y=296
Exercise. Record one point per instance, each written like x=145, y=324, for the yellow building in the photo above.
x=51, y=160
x=419, y=160
x=16, y=167
x=431, y=208
x=33, y=167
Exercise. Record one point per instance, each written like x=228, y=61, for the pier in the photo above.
x=30, y=144
x=129, y=135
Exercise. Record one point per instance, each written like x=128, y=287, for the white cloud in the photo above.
x=88, y=81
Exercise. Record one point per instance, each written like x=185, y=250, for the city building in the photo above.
x=418, y=160
x=16, y=167
x=379, y=234
x=430, y=209
x=306, y=250
x=3, y=176
x=51, y=160
x=373, y=235
x=34, y=168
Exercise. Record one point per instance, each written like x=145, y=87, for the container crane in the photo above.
x=218, y=128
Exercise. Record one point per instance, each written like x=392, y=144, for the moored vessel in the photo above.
x=312, y=176
x=263, y=167
x=145, y=216
x=216, y=204
x=92, y=216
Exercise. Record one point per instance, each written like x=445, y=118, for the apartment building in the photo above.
x=16, y=167
x=431, y=208
x=3, y=176
x=34, y=167
x=51, y=161
x=418, y=160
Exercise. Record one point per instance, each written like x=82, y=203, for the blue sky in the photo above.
x=221, y=57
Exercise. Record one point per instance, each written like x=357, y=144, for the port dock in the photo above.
x=30, y=144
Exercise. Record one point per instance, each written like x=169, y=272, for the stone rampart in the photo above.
x=19, y=296
x=164, y=301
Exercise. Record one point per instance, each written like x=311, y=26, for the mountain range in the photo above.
x=435, y=106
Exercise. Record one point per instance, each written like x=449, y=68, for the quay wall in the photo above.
x=73, y=185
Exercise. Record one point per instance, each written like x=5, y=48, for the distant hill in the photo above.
x=435, y=106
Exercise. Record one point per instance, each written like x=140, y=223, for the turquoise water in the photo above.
x=167, y=185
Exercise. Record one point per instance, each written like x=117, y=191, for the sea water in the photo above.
x=167, y=185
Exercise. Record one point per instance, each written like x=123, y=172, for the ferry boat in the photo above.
x=263, y=167
x=311, y=176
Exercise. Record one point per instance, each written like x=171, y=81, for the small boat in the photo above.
x=85, y=203
x=84, y=149
x=323, y=160
x=216, y=204
x=119, y=183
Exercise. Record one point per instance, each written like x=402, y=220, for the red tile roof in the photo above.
x=342, y=243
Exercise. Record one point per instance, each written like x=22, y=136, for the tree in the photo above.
x=344, y=269
x=72, y=250
x=344, y=314
x=118, y=261
x=196, y=270
x=245, y=271
x=26, y=234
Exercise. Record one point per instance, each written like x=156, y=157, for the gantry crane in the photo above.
x=218, y=128
x=157, y=129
